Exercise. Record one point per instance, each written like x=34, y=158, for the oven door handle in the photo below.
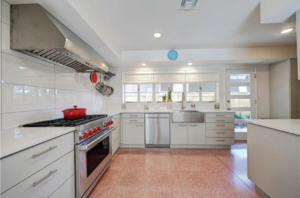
x=95, y=142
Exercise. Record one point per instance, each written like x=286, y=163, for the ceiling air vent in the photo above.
x=188, y=4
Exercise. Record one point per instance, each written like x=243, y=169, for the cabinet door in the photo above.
x=179, y=133
x=196, y=133
x=133, y=133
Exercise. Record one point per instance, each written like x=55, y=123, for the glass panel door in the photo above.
x=240, y=96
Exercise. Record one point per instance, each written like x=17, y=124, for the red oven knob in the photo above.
x=85, y=135
x=112, y=122
x=91, y=132
x=99, y=128
x=107, y=124
x=95, y=130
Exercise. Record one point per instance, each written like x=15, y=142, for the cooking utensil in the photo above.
x=112, y=91
x=74, y=113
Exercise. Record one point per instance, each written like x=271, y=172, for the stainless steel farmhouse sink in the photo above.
x=188, y=116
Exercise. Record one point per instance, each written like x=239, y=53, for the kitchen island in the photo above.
x=274, y=157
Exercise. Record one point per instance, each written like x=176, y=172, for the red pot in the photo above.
x=74, y=113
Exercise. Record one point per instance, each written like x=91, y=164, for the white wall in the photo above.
x=34, y=90
x=295, y=90
x=263, y=111
x=280, y=97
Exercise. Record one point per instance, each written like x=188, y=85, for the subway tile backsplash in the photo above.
x=34, y=90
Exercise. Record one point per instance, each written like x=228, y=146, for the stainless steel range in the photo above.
x=93, y=150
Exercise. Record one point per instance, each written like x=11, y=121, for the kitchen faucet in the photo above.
x=182, y=107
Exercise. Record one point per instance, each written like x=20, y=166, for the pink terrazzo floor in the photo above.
x=138, y=173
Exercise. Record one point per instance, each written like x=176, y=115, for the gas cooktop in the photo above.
x=65, y=123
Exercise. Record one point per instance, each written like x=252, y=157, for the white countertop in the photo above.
x=287, y=125
x=17, y=139
x=115, y=112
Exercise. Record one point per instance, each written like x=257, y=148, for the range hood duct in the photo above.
x=36, y=32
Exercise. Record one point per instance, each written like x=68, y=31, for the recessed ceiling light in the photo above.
x=144, y=64
x=22, y=67
x=190, y=63
x=157, y=35
x=287, y=30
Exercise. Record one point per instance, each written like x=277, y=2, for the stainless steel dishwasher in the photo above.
x=157, y=133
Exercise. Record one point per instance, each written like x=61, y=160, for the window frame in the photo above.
x=138, y=92
x=200, y=91
x=185, y=83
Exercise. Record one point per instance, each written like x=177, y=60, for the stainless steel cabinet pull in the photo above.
x=181, y=125
x=220, y=120
x=220, y=132
x=132, y=120
x=220, y=115
x=132, y=115
x=48, y=175
x=220, y=140
x=139, y=125
x=157, y=117
x=45, y=151
x=193, y=125
x=220, y=125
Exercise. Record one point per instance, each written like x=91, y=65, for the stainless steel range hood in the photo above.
x=36, y=32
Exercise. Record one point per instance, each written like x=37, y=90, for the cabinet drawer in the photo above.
x=115, y=143
x=46, y=181
x=224, y=119
x=219, y=115
x=67, y=190
x=116, y=131
x=220, y=126
x=220, y=133
x=134, y=120
x=116, y=119
x=21, y=165
x=138, y=115
x=219, y=141
x=133, y=133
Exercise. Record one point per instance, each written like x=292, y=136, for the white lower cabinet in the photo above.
x=46, y=181
x=133, y=133
x=115, y=143
x=196, y=133
x=22, y=165
x=67, y=190
x=179, y=133
x=188, y=133
x=220, y=129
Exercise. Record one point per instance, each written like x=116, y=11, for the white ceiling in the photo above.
x=130, y=24
x=113, y=26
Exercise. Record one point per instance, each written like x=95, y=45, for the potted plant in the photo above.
x=170, y=96
x=164, y=98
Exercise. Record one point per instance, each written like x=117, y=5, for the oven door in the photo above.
x=92, y=157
